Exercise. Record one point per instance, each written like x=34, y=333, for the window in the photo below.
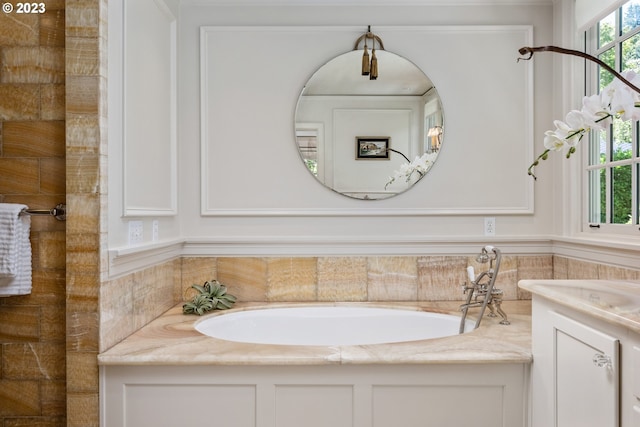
x=613, y=162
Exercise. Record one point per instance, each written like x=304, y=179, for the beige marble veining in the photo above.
x=292, y=279
x=533, y=267
x=33, y=340
x=614, y=301
x=246, y=276
x=172, y=340
x=440, y=277
x=392, y=279
x=342, y=279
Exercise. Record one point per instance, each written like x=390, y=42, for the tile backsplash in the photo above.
x=129, y=302
x=138, y=298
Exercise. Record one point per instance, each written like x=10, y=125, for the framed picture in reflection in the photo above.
x=372, y=147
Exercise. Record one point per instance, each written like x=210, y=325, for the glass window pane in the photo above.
x=597, y=201
x=308, y=146
x=630, y=16
x=621, y=195
x=609, y=58
x=621, y=146
x=637, y=178
x=598, y=147
x=613, y=156
x=606, y=30
x=631, y=54
x=636, y=142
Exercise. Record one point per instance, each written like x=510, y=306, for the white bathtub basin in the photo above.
x=344, y=325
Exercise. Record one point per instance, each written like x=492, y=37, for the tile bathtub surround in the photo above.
x=130, y=302
x=170, y=339
x=394, y=278
x=32, y=171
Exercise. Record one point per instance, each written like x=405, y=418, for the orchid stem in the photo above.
x=532, y=50
x=396, y=151
x=542, y=156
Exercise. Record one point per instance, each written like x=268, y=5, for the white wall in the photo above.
x=242, y=188
x=143, y=150
x=482, y=167
x=246, y=119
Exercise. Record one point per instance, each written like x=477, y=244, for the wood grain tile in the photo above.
x=392, y=279
x=342, y=279
x=292, y=279
x=246, y=278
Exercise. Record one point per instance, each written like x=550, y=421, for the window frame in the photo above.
x=592, y=191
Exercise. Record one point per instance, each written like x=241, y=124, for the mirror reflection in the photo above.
x=369, y=138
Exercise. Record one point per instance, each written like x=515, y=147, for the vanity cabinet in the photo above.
x=586, y=365
x=587, y=374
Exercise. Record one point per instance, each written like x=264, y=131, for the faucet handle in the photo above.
x=471, y=273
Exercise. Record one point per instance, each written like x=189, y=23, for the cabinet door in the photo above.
x=586, y=375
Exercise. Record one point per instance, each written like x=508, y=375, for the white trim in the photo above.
x=612, y=252
x=204, y=129
x=366, y=212
x=172, y=209
x=588, y=12
x=362, y=246
x=132, y=212
x=129, y=259
x=457, y=3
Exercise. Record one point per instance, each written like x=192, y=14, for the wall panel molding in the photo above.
x=150, y=183
x=246, y=121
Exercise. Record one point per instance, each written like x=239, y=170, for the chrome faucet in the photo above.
x=483, y=294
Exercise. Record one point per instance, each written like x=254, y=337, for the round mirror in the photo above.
x=369, y=138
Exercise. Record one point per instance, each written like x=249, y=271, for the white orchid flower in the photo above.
x=595, y=114
x=619, y=99
x=421, y=165
x=552, y=141
x=623, y=102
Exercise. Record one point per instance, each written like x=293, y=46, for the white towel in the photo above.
x=15, y=250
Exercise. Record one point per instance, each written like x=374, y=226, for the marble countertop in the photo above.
x=614, y=301
x=172, y=340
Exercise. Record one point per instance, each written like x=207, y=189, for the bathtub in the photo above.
x=164, y=373
x=330, y=325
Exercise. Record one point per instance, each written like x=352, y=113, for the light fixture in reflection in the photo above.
x=369, y=64
x=435, y=136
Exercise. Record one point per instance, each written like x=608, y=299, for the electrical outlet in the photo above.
x=489, y=226
x=135, y=232
x=155, y=230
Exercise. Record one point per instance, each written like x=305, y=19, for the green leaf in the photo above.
x=212, y=295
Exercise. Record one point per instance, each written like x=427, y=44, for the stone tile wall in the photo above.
x=32, y=171
x=396, y=278
x=128, y=303
x=86, y=123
